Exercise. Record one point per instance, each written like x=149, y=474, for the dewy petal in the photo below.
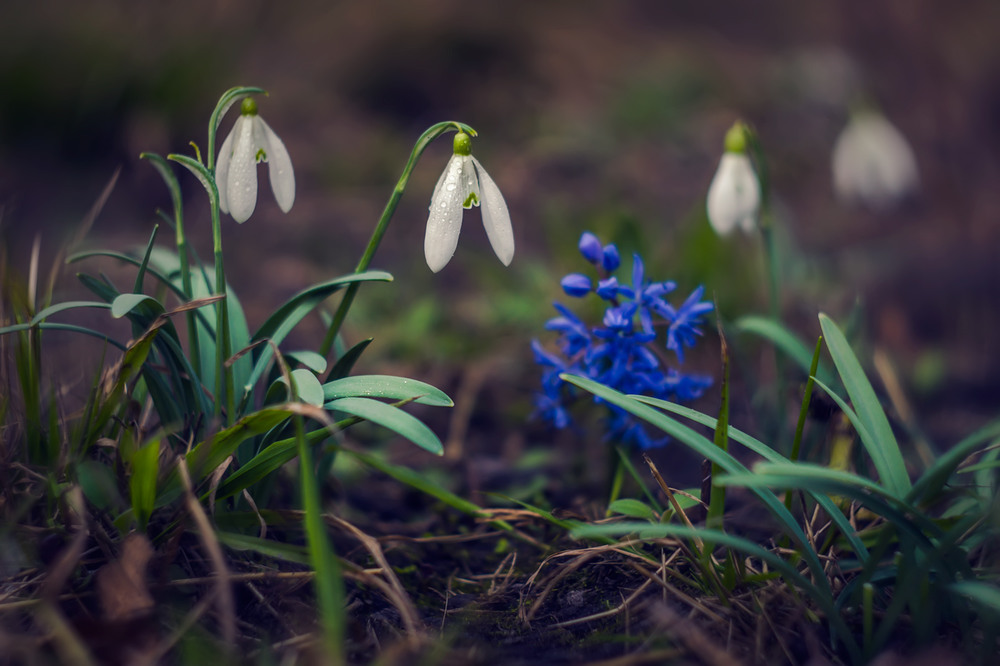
x=496, y=219
x=241, y=181
x=734, y=195
x=444, y=222
x=222, y=169
x=279, y=164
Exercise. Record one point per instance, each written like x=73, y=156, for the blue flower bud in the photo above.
x=590, y=247
x=611, y=260
x=576, y=285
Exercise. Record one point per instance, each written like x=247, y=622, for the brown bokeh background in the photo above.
x=592, y=115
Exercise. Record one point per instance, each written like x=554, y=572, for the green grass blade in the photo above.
x=937, y=475
x=63, y=307
x=329, y=581
x=706, y=449
x=633, y=508
x=390, y=417
x=771, y=455
x=346, y=362
x=881, y=442
x=386, y=386
x=142, y=482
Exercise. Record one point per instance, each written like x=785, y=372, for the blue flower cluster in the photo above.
x=618, y=353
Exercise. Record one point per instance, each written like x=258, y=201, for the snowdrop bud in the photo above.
x=251, y=141
x=872, y=162
x=734, y=195
x=464, y=184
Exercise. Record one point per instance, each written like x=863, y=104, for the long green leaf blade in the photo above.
x=881, y=443
x=390, y=417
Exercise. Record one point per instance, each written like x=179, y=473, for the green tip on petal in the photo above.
x=463, y=144
x=248, y=107
x=736, y=138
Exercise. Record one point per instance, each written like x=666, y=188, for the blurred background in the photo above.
x=592, y=115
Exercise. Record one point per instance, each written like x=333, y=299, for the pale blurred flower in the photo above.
x=734, y=195
x=251, y=141
x=872, y=162
x=464, y=184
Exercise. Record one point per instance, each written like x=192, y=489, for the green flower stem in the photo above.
x=804, y=412
x=225, y=382
x=717, y=498
x=425, y=140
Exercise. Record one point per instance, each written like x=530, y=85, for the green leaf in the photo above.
x=934, y=478
x=126, y=303
x=62, y=307
x=633, y=508
x=346, y=362
x=288, y=316
x=983, y=594
x=390, y=417
x=309, y=359
x=386, y=386
x=307, y=387
x=142, y=482
x=275, y=549
x=99, y=485
x=203, y=175
x=415, y=480
x=209, y=454
x=881, y=442
x=262, y=465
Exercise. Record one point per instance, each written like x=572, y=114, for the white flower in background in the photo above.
x=250, y=142
x=872, y=162
x=734, y=195
x=465, y=184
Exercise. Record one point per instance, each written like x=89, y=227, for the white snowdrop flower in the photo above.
x=252, y=141
x=872, y=162
x=734, y=195
x=464, y=184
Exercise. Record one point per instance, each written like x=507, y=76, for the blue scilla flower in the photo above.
x=621, y=351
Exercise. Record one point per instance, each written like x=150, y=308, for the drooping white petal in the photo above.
x=496, y=218
x=279, y=164
x=241, y=181
x=444, y=221
x=734, y=195
x=222, y=169
x=872, y=162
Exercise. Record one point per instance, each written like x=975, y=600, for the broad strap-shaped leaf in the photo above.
x=142, y=482
x=390, y=417
x=386, y=386
x=632, y=508
x=288, y=316
x=211, y=453
x=880, y=441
